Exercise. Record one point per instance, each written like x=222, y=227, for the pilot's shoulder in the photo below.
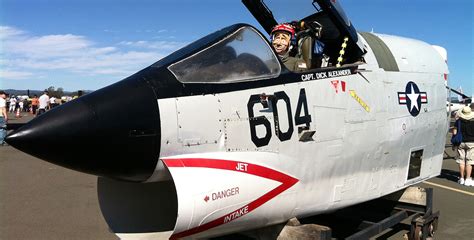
x=301, y=65
x=298, y=64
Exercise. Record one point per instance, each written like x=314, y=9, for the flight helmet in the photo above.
x=285, y=27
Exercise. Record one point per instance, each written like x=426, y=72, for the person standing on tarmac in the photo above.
x=3, y=117
x=283, y=40
x=43, y=103
x=34, y=104
x=466, y=149
x=12, y=104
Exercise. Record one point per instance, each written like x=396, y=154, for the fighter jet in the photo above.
x=452, y=106
x=220, y=137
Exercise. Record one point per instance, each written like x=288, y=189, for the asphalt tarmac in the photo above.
x=39, y=200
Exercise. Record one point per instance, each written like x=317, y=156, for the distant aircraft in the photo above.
x=460, y=97
x=461, y=101
x=219, y=137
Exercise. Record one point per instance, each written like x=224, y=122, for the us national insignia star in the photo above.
x=412, y=98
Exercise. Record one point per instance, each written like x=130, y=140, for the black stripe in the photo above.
x=165, y=84
x=382, y=53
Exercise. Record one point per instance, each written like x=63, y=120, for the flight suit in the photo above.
x=292, y=63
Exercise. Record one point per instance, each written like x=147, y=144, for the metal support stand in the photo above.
x=416, y=202
x=423, y=226
x=372, y=218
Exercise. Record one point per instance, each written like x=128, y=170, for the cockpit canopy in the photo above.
x=242, y=55
x=239, y=53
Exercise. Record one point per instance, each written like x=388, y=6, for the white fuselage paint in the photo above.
x=360, y=149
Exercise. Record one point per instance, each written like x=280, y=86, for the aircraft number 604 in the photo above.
x=302, y=116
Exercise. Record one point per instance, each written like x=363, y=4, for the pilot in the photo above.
x=283, y=40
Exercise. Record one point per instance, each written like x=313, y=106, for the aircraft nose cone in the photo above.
x=113, y=132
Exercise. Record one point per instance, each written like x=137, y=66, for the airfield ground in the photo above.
x=39, y=200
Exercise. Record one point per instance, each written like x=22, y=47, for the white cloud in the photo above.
x=5, y=74
x=90, y=62
x=8, y=32
x=47, y=46
x=103, y=50
x=161, y=45
x=25, y=54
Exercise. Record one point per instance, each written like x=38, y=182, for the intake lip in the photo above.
x=113, y=132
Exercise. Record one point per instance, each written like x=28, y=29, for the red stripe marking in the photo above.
x=402, y=98
x=257, y=170
x=424, y=98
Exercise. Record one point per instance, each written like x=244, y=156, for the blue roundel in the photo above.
x=413, y=98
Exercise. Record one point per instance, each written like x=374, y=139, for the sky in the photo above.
x=89, y=44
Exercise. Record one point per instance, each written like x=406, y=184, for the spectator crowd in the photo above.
x=33, y=104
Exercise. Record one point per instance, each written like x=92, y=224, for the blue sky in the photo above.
x=89, y=44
